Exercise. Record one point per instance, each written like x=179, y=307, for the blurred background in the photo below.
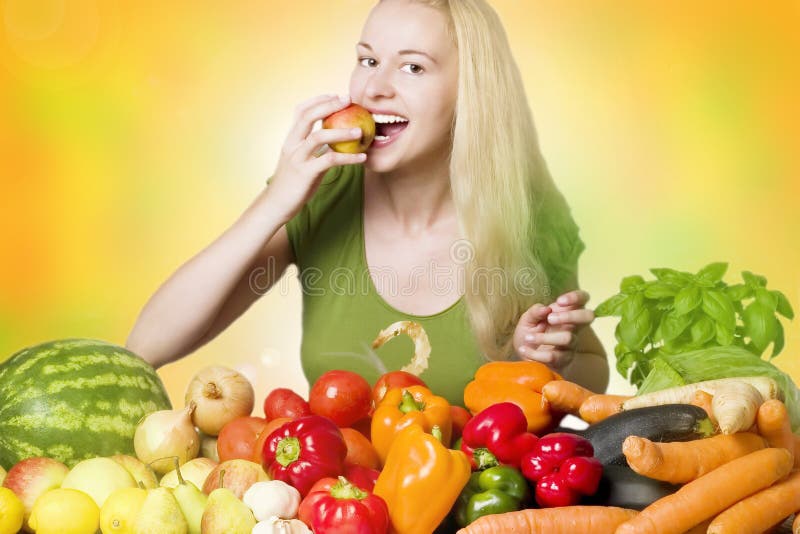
x=133, y=133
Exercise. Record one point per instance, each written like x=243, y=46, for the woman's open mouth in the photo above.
x=386, y=133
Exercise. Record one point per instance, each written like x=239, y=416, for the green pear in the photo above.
x=160, y=514
x=191, y=501
x=226, y=513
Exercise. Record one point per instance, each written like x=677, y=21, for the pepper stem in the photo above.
x=344, y=489
x=408, y=404
x=484, y=459
x=436, y=432
x=288, y=451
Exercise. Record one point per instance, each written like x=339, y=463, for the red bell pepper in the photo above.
x=562, y=467
x=498, y=434
x=363, y=477
x=303, y=451
x=340, y=507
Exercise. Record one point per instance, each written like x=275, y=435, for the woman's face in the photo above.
x=406, y=66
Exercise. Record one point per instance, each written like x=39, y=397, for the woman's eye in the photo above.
x=416, y=69
x=361, y=60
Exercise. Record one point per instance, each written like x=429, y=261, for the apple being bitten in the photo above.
x=353, y=116
x=31, y=477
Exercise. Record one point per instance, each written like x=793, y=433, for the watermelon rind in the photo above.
x=74, y=399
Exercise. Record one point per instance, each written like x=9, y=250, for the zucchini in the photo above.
x=621, y=486
x=668, y=422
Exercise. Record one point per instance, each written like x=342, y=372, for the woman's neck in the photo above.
x=415, y=200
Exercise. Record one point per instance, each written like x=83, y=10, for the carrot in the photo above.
x=561, y=520
x=684, y=394
x=710, y=494
x=703, y=400
x=735, y=405
x=565, y=396
x=598, y=407
x=683, y=461
x=761, y=510
x=796, y=452
x=773, y=423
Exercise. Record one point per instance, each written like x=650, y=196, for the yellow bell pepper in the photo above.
x=403, y=407
x=421, y=481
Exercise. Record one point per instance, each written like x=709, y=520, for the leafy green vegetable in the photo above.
x=719, y=362
x=679, y=312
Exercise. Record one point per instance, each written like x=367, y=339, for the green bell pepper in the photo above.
x=495, y=490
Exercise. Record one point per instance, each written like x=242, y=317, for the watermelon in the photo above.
x=74, y=399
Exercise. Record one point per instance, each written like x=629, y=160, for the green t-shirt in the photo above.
x=343, y=312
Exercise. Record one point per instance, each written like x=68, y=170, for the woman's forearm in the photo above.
x=589, y=367
x=180, y=312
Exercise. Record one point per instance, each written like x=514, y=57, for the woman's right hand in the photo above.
x=300, y=169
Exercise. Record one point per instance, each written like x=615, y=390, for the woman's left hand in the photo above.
x=549, y=334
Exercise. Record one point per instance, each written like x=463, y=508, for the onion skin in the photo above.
x=221, y=394
x=165, y=435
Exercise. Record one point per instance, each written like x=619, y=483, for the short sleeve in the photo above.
x=299, y=226
x=559, y=244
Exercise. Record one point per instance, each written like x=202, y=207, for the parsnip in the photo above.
x=766, y=386
x=735, y=405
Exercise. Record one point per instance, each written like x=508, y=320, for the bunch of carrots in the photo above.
x=745, y=479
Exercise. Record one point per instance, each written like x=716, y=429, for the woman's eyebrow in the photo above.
x=402, y=52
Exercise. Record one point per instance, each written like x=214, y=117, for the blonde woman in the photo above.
x=450, y=219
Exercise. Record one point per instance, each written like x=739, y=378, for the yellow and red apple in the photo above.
x=353, y=116
x=31, y=477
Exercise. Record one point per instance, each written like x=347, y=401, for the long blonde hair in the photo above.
x=498, y=178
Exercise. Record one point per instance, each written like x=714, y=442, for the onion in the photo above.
x=164, y=435
x=221, y=395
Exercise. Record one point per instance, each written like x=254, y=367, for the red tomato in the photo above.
x=394, y=379
x=342, y=396
x=459, y=416
x=236, y=439
x=258, y=447
x=283, y=402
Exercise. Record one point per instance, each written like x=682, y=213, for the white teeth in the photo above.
x=384, y=119
x=381, y=137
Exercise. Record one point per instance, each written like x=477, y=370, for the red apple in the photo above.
x=31, y=477
x=353, y=116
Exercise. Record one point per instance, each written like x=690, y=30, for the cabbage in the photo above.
x=719, y=362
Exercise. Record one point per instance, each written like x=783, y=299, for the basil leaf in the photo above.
x=723, y=334
x=767, y=299
x=632, y=306
x=672, y=325
x=631, y=284
x=627, y=361
x=672, y=276
x=759, y=325
x=660, y=290
x=687, y=299
x=713, y=272
x=702, y=330
x=753, y=280
x=718, y=306
x=739, y=292
x=620, y=349
x=664, y=305
x=777, y=345
x=610, y=306
x=784, y=308
x=635, y=331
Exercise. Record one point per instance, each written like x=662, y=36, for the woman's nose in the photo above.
x=379, y=84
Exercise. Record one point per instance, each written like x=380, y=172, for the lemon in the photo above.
x=120, y=509
x=64, y=511
x=11, y=512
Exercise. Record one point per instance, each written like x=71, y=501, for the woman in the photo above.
x=457, y=186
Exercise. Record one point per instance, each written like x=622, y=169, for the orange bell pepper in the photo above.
x=517, y=382
x=421, y=481
x=403, y=407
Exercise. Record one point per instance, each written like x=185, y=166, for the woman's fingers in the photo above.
x=574, y=299
x=559, y=339
x=582, y=316
x=335, y=159
x=306, y=118
x=312, y=144
x=535, y=315
x=548, y=355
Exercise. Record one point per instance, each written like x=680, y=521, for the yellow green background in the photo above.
x=132, y=133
